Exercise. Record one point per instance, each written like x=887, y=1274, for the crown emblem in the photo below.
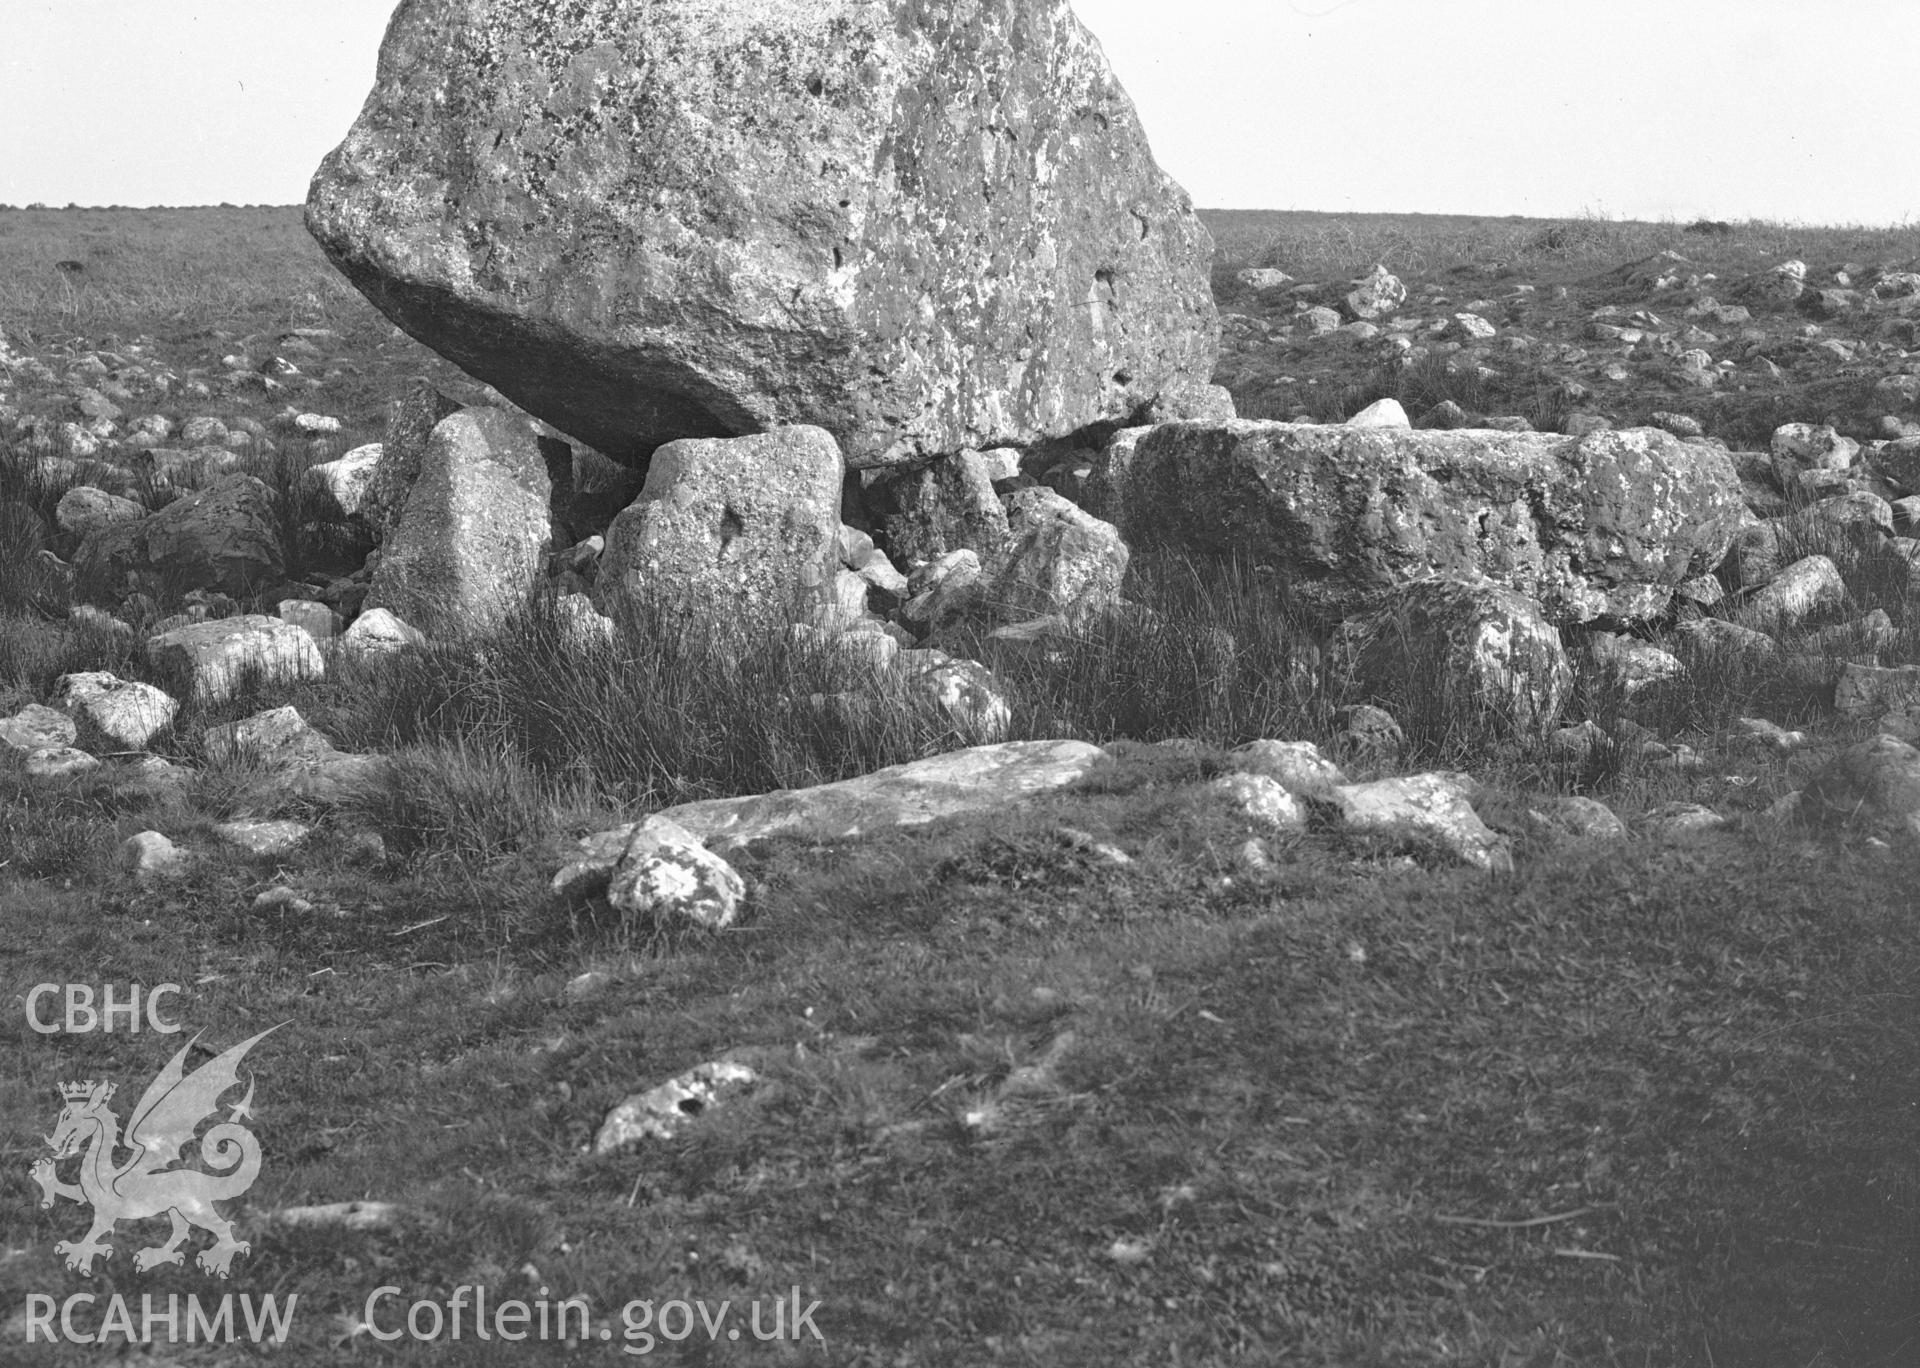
x=80, y=1092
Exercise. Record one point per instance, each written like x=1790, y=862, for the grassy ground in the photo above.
x=1651, y=1102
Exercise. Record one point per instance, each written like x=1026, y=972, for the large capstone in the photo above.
x=921, y=227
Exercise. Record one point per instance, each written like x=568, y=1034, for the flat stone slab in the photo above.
x=922, y=791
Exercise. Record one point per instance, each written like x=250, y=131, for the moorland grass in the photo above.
x=1634, y=1103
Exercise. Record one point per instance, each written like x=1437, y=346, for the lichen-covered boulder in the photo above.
x=1585, y=525
x=921, y=227
x=216, y=656
x=474, y=530
x=1470, y=648
x=224, y=537
x=1060, y=558
x=735, y=530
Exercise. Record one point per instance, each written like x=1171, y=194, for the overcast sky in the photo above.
x=1785, y=109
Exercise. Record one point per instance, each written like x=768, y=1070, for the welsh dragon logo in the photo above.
x=149, y=1183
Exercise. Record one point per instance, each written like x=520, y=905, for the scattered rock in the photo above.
x=124, y=714
x=1298, y=765
x=1382, y=413
x=661, y=1112
x=965, y=689
x=665, y=874
x=378, y=630
x=1474, y=647
x=1428, y=809
x=1865, y=690
x=217, y=655
x=1261, y=799
x=347, y=482
x=1809, y=586
x=37, y=727
x=84, y=508
x=1682, y=819
x=150, y=855
x=1873, y=785
x=224, y=537
x=1571, y=815
x=263, y=838
x=51, y=763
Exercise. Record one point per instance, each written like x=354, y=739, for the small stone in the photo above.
x=280, y=898
x=666, y=874
x=1372, y=729
x=1261, y=799
x=52, y=763
x=1298, y=765
x=1759, y=731
x=315, y=619
x=1683, y=819
x=1808, y=586
x=377, y=630
x=150, y=855
x=1864, y=690
x=1576, y=816
x=661, y=1112
x=36, y=727
x=1431, y=808
x=263, y=838
x=1381, y=413
x=125, y=713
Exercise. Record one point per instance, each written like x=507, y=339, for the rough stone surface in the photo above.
x=665, y=874
x=411, y=419
x=1382, y=413
x=1060, y=558
x=1472, y=648
x=150, y=855
x=1261, y=799
x=225, y=537
x=262, y=837
x=973, y=699
x=977, y=779
x=83, y=508
x=920, y=227
x=1572, y=815
x=50, y=763
x=218, y=654
x=473, y=537
x=1429, y=809
x=1874, y=784
x=660, y=1113
x=346, y=482
x=378, y=629
x=1865, y=690
x=1810, y=585
x=728, y=529
x=946, y=506
x=123, y=713
x=37, y=726
x=1298, y=765
x=1571, y=522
